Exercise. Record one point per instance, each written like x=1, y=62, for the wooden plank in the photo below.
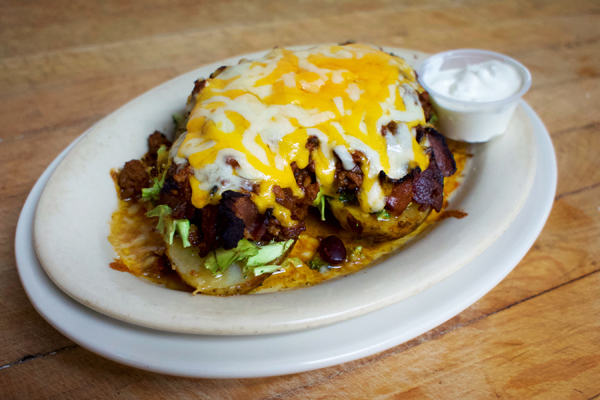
x=547, y=347
x=112, y=21
x=52, y=106
x=564, y=105
x=53, y=58
x=192, y=48
x=575, y=150
x=23, y=331
x=41, y=93
x=544, y=346
x=566, y=250
x=15, y=154
x=567, y=107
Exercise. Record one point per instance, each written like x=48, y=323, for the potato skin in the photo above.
x=367, y=226
x=190, y=266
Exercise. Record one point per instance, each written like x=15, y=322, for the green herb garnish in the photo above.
x=168, y=226
x=356, y=253
x=266, y=269
x=317, y=263
x=269, y=253
x=319, y=202
x=383, y=216
x=219, y=260
x=163, y=212
x=152, y=193
x=177, y=118
x=182, y=227
x=256, y=257
x=346, y=197
x=433, y=119
x=162, y=157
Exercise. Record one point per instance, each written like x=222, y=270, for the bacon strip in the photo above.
x=428, y=186
x=400, y=197
x=443, y=156
x=177, y=192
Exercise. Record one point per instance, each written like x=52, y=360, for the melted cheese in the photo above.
x=261, y=113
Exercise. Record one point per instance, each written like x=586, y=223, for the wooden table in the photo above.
x=66, y=64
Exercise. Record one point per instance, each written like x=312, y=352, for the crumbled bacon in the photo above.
x=277, y=232
x=218, y=71
x=183, y=174
x=306, y=180
x=428, y=187
x=348, y=180
x=132, y=179
x=402, y=193
x=232, y=227
x=400, y=197
x=232, y=162
x=358, y=156
x=243, y=207
x=312, y=143
x=443, y=156
x=156, y=140
x=198, y=86
x=298, y=206
x=177, y=192
x=208, y=227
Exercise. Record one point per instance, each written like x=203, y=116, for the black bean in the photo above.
x=332, y=250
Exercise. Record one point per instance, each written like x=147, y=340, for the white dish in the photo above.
x=466, y=120
x=72, y=223
x=267, y=355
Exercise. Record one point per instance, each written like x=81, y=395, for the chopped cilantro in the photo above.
x=219, y=260
x=383, y=216
x=317, y=262
x=152, y=193
x=320, y=202
x=266, y=269
x=162, y=157
x=433, y=119
x=356, y=253
x=182, y=227
x=269, y=253
x=346, y=197
x=256, y=257
x=177, y=118
x=322, y=208
x=168, y=226
x=162, y=212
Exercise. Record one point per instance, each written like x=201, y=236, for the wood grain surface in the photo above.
x=65, y=64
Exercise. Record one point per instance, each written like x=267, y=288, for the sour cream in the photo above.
x=474, y=92
x=489, y=81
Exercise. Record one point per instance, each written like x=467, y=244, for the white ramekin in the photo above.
x=471, y=121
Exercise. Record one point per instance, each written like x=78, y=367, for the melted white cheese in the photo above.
x=261, y=113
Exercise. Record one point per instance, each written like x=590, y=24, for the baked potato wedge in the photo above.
x=373, y=227
x=233, y=280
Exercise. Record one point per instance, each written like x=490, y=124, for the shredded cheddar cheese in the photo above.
x=261, y=113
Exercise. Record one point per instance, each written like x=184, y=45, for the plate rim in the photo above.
x=43, y=294
x=193, y=324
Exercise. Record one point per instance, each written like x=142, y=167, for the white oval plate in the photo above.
x=72, y=223
x=207, y=356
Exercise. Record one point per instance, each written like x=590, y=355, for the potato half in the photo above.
x=190, y=266
x=367, y=226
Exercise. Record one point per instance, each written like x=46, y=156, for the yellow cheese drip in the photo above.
x=262, y=110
